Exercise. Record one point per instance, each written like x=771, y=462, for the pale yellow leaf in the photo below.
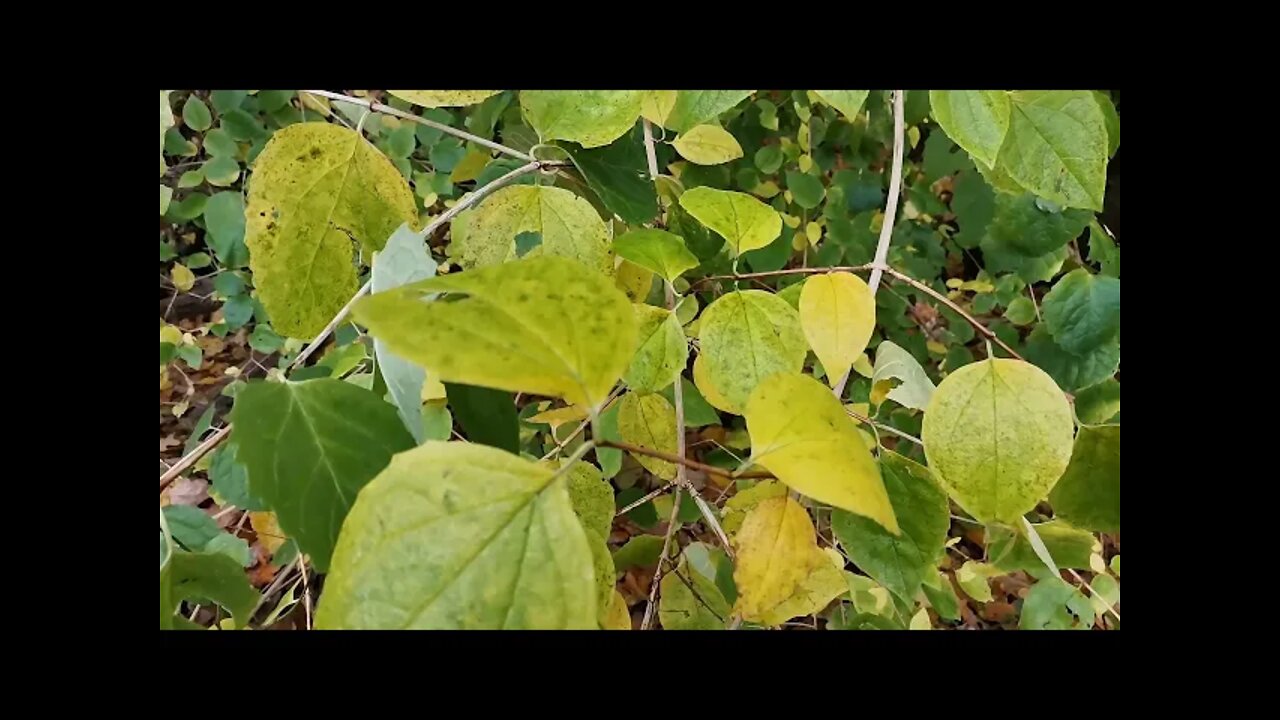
x=708, y=145
x=837, y=314
x=183, y=278
x=773, y=555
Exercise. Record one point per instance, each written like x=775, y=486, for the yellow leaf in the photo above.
x=737, y=507
x=823, y=583
x=316, y=103
x=649, y=421
x=800, y=432
x=655, y=105
x=792, y=221
x=183, y=278
x=837, y=314
x=766, y=189
x=559, y=416
x=863, y=367
x=813, y=231
x=617, y=617
x=443, y=98
x=470, y=166
x=935, y=347
x=708, y=145
x=268, y=529
x=921, y=621
x=774, y=555
x=170, y=334
x=806, y=162
x=181, y=408
x=433, y=389
x=747, y=335
x=634, y=280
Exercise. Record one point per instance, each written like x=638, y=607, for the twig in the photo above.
x=192, y=457
x=672, y=524
x=712, y=469
x=887, y=428
x=388, y=110
x=649, y=151
x=775, y=273
x=632, y=506
x=1095, y=593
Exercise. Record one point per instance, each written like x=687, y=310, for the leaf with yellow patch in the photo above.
x=544, y=325
x=708, y=145
x=591, y=118
x=567, y=224
x=444, y=98
x=747, y=335
x=649, y=421
x=773, y=556
x=662, y=352
x=743, y=221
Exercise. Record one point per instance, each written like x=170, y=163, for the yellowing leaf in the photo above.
x=774, y=555
x=837, y=314
x=708, y=389
x=747, y=335
x=470, y=167
x=591, y=118
x=662, y=352
x=737, y=507
x=617, y=617
x=315, y=187
x=695, y=107
x=893, y=363
x=862, y=366
x=649, y=421
x=823, y=583
x=559, y=416
x=973, y=576
x=976, y=120
x=461, y=536
x=998, y=435
x=743, y=221
x=813, y=233
x=708, y=145
x=443, y=98
x=183, y=278
x=848, y=102
x=655, y=105
x=567, y=224
x=634, y=280
x=800, y=432
x=921, y=621
x=268, y=529
x=544, y=325
x=662, y=252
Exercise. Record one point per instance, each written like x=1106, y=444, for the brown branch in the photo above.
x=790, y=271
x=712, y=469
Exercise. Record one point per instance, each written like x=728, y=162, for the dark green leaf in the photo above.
x=618, y=173
x=1070, y=371
x=191, y=527
x=1082, y=311
x=806, y=190
x=697, y=411
x=201, y=577
x=487, y=416
x=196, y=115
x=1088, y=494
x=231, y=481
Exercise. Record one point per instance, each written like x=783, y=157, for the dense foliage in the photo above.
x=627, y=359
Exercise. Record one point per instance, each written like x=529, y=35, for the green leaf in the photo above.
x=973, y=577
x=1021, y=225
x=1103, y=250
x=569, y=227
x=224, y=101
x=1071, y=371
x=695, y=107
x=610, y=458
x=191, y=527
x=618, y=173
x=230, y=480
x=806, y=189
x=899, y=562
x=697, y=411
x=221, y=171
x=662, y=353
x=316, y=186
x=743, y=221
x=1088, y=494
x=914, y=388
x=243, y=127
x=1056, y=146
x=1082, y=311
x=848, y=102
x=1112, y=120
x=592, y=499
x=1052, y=604
x=444, y=98
x=941, y=595
x=658, y=250
x=974, y=204
x=649, y=421
x=1022, y=311
x=1099, y=403
x=487, y=416
x=225, y=222
x=217, y=143
x=768, y=159
x=461, y=536
x=233, y=547
x=196, y=115
x=707, y=145
x=745, y=336
x=264, y=339
x=1070, y=547
x=544, y=325
x=977, y=120
x=998, y=436
x=216, y=577
x=640, y=551
x=800, y=432
x=166, y=122
x=591, y=118
x=166, y=194
x=942, y=157
x=690, y=601
x=309, y=448
x=403, y=260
